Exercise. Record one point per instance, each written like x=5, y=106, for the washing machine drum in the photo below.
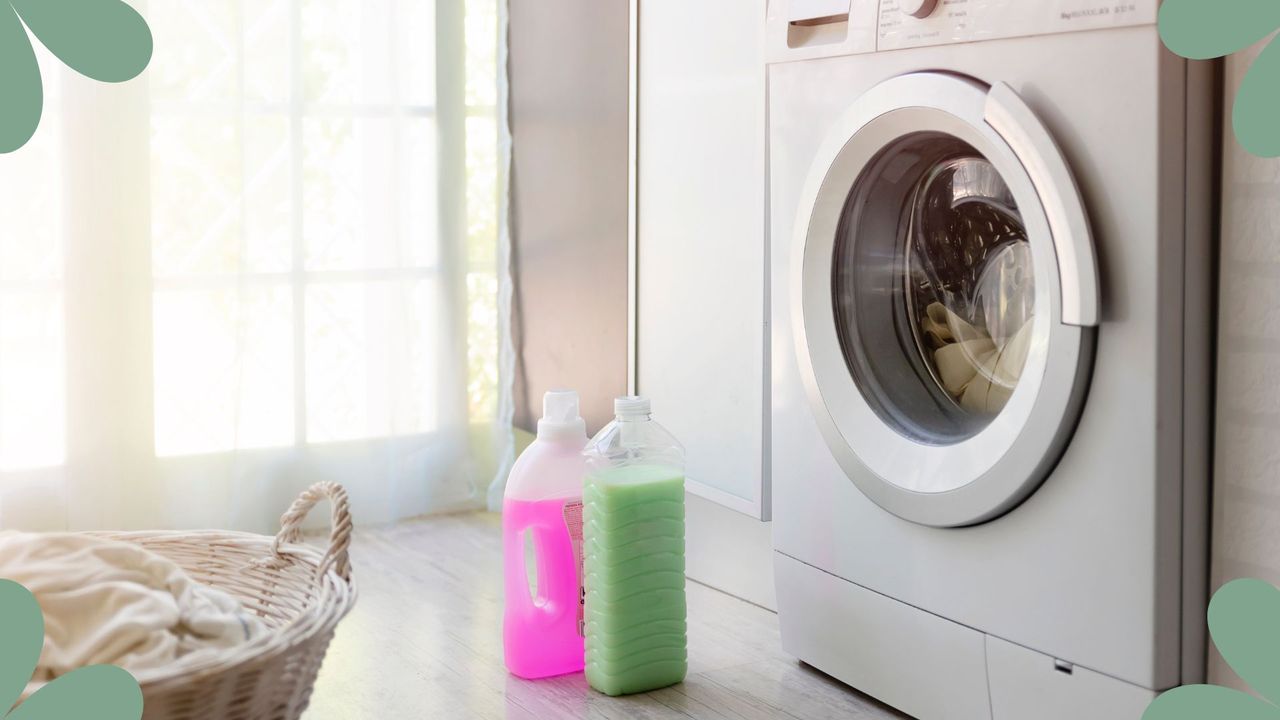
x=945, y=297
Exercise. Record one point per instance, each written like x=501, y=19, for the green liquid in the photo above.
x=633, y=540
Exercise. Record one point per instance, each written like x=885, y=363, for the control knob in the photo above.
x=919, y=8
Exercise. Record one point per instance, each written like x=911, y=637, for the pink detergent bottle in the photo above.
x=542, y=628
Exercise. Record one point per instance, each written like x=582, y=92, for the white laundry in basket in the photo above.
x=107, y=601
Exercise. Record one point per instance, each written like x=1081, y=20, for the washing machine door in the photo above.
x=945, y=298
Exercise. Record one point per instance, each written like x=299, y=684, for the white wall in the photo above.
x=1246, y=515
x=701, y=336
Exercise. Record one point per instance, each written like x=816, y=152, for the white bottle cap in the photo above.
x=560, y=416
x=633, y=406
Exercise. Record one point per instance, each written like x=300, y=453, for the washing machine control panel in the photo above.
x=917, y=23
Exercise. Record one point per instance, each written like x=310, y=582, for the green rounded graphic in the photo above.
x=1244, y=620
x=1209, y=702
x=97, y=692
x=100, y=692
x=1203, y=29
x=1256, y=114
x=21, y=94
x=21, y=638
x=101, y=39
x=105, y=40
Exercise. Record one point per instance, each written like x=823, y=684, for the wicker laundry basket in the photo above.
x=300, y=592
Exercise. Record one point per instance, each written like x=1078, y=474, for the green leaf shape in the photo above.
x=21, y=639
x=21, y=93
x=104, y=692
x=1244, y=619
x=100, y=692
x=1209, y=702
x=1256, y=113
x=1203, y=29
x=106, y=40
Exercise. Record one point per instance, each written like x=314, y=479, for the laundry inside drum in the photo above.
x=970, y=284
x=933, y=289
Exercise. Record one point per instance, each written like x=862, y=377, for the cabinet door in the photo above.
x=701, y=278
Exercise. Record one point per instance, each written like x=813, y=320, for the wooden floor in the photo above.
x=425, y=641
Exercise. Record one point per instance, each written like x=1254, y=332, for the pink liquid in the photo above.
x=540, y=634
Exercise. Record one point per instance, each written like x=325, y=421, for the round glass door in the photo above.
x=933, y=288
x=944, y=296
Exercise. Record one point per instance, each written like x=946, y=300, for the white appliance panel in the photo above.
x=1088, y=568
x=957, y=21
x=701, y=338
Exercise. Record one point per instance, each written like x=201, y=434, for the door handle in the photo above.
x=1014, y=121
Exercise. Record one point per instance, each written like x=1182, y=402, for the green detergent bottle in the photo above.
x=633, y=538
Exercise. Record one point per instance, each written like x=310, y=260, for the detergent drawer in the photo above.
x=1027, y=684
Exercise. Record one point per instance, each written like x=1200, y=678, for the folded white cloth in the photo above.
x=107, y=601
x=974, y=368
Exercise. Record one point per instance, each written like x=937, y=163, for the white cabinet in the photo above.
x=701, y=278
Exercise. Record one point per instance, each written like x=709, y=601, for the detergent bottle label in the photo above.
x=573, y=522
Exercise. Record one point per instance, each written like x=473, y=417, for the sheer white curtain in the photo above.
x=271, y=260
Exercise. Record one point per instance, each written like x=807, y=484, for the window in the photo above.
x=272, y=258
x=304, y=310
x=32, y=361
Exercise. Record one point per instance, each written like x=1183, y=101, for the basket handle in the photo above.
x=336, y=557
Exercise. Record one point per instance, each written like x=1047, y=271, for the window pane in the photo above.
x=32, y=390
x=482, y=346
x=418, y=199
x=482, y=52
x=223, y=369
x=195, y=57
x=220, y=56
x=236, y=188
x=416, y=49
x=346, y=56
x=195, y=189
x=368, y=52
x=266, y=50
x=32, y=325
x=31, y=233
x=482, y=209
x=482, y=192
x=267, y=196
x=369, y=193
x=220, y=195
x=482, y=280
x=371, y=359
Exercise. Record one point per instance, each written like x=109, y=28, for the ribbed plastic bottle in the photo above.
x=542, y=628
x=633, y=511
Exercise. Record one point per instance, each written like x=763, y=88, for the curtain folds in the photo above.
x=504, y=421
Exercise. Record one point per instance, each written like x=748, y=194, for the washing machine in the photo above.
x=990, y=305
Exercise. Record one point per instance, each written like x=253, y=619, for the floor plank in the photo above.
x=425, y=641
